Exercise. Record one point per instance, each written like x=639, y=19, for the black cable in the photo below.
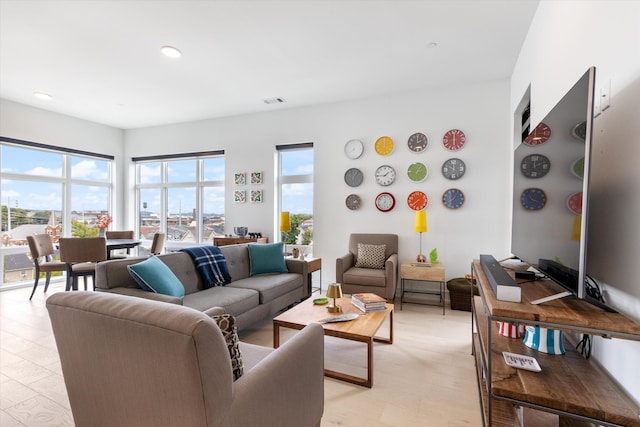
x=584, y=346
x=593, y=289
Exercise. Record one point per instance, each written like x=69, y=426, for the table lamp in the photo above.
x=334, y=291
x=421, y=227
x=285, y=221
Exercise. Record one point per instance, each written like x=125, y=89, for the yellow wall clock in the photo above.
x=384, y=145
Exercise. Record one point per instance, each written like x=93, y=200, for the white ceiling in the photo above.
x=101, y=61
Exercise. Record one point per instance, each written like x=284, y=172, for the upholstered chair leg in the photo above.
x=85, y=282
x=35, y=284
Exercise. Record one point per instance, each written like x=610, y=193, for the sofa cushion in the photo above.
x=235, y=301
x=267, y=258
x=364, y=276
x=154, y=275
x=227, y=325
x=270, y=286
x=371, y=256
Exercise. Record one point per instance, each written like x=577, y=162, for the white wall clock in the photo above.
x=385, y=175
x=353, y=149
x=385, y=202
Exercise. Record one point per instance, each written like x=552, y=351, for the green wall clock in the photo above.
x=417, y=172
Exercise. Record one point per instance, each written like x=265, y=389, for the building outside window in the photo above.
x=182, y=196
x=47, y=189
x=295, y=181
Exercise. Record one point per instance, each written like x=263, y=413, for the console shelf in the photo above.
x=569, y=385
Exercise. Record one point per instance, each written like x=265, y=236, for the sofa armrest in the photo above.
x=137, y=292
x=391, y=271
x=290, y=377
x=343, y=263
x=297, y=266
x=214, y=311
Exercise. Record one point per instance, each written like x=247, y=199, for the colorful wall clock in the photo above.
x=353, y=177
x=353, y=202
x=539, y=135
x=417, y=200
x=454, y=139
x=385, y=202
x=574, y=203
x=417, y=172
x=353, y=149
x=533, y=199
x=385, y=175
x=579, y=131
x=453, y=198
x=384, y=145
x=418, y=142
x=535, y=166
x=453, y=169
x=577, y=168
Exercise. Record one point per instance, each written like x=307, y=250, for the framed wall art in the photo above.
x=256, y=178
x=240, y=178
x=256, y=196
x=239, y=196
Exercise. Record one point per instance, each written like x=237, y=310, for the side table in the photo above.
x=313, y=264
x=411, y=270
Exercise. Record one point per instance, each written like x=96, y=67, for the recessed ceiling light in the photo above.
x=274, y=101
x=43, y=96
x=170, y=51
x=431, y=45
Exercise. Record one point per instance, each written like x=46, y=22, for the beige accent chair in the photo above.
x=157, y=245
x=356, y=280
x=42, y=252
x=120, y=234
x=81, y=255
x=135, y=362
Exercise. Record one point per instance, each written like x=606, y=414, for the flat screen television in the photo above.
x=551, y=190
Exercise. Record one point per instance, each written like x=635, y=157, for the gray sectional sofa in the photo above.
x=249, y=298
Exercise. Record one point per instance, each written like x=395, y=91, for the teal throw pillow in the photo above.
x=154, y=275
x=267, y=258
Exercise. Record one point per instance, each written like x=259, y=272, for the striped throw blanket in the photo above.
x=211, y=265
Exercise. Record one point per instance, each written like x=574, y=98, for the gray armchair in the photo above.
x=381, y=281
x=135, y=362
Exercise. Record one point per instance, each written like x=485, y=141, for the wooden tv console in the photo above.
x=569, y=386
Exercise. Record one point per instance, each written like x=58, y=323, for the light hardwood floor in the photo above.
x=426, y=378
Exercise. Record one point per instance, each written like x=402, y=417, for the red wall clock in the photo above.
x=454, y=139
x=574, y=203
x=385, y=202
x=417, y=200
x=539, y=135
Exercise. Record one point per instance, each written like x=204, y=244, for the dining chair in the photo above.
x=81, y=256
x=120, y=234
x=157, y=245
x=42, y=251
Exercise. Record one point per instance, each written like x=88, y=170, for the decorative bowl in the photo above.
x=240, y=231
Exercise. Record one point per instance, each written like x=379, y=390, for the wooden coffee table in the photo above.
x=362, y=329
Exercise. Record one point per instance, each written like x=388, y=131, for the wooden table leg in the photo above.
x=276, y=335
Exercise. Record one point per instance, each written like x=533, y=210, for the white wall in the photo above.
x=481, y=225
x=565, y=38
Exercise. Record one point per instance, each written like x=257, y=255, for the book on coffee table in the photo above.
x=367, y=302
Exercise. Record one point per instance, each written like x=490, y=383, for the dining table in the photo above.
x=114, y=244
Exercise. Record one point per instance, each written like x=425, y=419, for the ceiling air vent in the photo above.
x=274, y=101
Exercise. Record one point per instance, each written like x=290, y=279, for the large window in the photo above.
x=295, y=178
x=47, y=189
x=182, y=196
